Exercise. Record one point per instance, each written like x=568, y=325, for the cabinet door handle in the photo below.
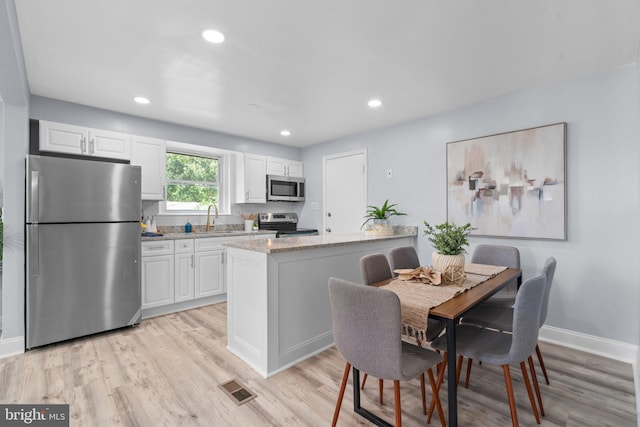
x=164, y=189
x=83, y=142
x=92, y=143
x=192, y=260
x=246, y=197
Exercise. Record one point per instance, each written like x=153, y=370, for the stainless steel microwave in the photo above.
x=285, y=188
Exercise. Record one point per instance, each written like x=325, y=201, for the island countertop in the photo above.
x=288, y=244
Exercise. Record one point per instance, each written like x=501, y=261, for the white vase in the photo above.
x=380, y=227
x=440, y=262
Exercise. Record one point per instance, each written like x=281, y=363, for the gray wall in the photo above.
x=66, y=112
x=596, y=286
x=14, y=94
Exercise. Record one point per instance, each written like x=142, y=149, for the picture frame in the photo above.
x=510, y=184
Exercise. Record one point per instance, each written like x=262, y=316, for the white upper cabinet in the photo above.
x=278, y=166
x=251, y=178
x=150, y=154
x=64, y=138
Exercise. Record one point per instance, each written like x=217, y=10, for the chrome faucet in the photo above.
x=209, y=224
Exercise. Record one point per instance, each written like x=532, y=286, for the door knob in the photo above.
x=328, y=229
x=329, y=214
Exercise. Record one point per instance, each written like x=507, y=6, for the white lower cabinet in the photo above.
x=184, y=262
x=157, y=274
x=210, y=254
x=184, y=273
x=209, y=273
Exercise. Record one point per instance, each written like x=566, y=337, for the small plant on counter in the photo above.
x=383, y=212
x=448, y=238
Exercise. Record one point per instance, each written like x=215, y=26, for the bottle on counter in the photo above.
x=187, y=227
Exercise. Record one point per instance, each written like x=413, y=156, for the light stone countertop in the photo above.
x=204, y=234
x=288, y=244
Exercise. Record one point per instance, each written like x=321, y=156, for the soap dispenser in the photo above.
x=187, y=227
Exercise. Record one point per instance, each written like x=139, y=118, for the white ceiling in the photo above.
x=312, y=65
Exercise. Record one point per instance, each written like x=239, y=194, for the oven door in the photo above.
x=297, y=233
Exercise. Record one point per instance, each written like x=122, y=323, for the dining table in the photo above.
x=451, y=311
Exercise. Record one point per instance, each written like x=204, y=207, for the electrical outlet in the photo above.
x=389, y=173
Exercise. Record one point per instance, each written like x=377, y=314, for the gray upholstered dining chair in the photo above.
x=403, y=257
x=508, y=256
x=503, y=349
x=407, y=257
x=370, y=341
x=374, y=268
x=501, y=318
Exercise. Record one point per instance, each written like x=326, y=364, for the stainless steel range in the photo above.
x=285, y=224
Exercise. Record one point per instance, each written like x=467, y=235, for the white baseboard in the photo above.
x=11, y=347
x=616, y=350
x=591, y=344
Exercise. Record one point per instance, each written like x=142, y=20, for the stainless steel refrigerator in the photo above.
x=82, y=248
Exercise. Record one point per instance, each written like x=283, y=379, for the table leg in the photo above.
x=452, y=387
x=357, y=407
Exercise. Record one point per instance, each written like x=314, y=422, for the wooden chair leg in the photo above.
x=380, y=385
x=435, y=397
x=544, y=370
x=396, y=393
x=466, y=381
x=442, y=367
x=423, y=391
x=459, y=368
x=345, y=377
x=529, y=391
x=512, y=400
x=534, y=376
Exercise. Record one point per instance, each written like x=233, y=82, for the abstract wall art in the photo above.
x=511, y=184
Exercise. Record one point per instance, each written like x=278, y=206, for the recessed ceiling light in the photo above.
x=285, y=132
x=141, y=100
x=213, y=36
x=375, y=103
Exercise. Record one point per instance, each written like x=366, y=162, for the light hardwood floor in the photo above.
x=166, y=372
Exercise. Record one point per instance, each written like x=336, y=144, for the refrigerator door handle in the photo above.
x=33, y=210
x=34, y=251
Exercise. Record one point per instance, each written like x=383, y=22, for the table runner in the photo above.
x=417, y=298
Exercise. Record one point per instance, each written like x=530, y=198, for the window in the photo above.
x=193, y=182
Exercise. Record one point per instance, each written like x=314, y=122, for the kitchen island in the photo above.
x=278, y=308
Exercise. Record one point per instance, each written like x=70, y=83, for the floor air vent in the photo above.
x=237, y=392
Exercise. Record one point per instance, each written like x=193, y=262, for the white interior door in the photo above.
x=345, y=191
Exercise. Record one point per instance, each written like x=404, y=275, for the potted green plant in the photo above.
x=380, y=217
x=450, y=242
